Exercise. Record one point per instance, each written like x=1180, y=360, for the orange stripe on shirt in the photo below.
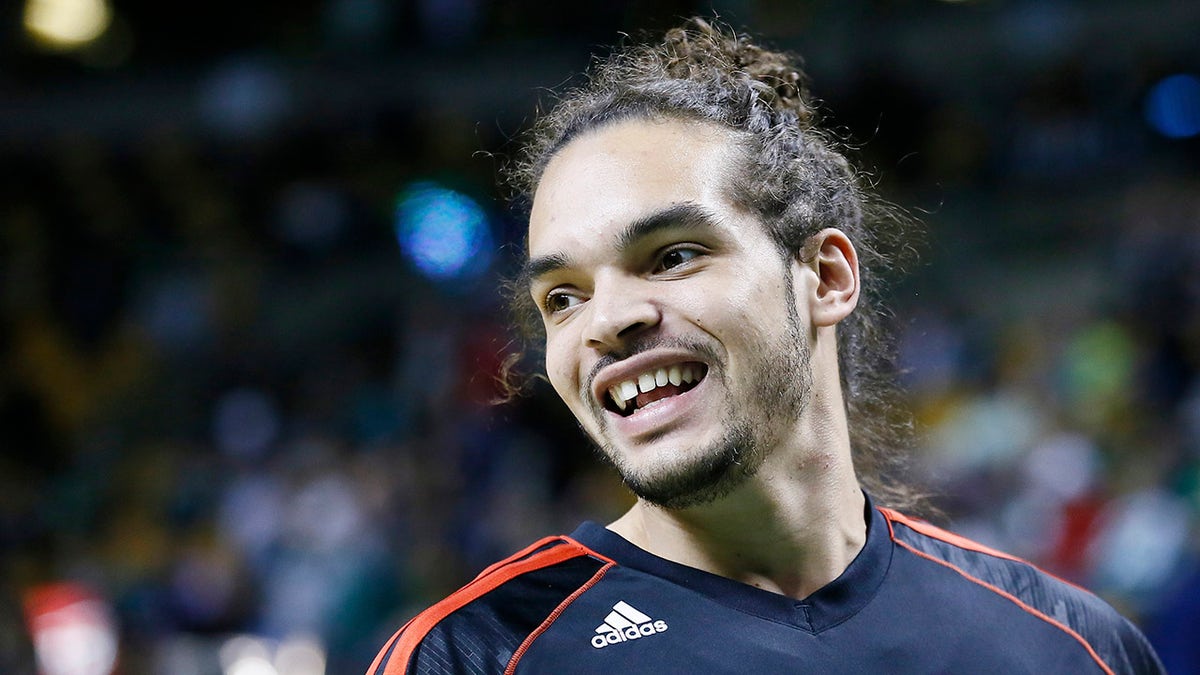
x=954, y=539
x=562, y=606
x=410, y=637
x=931, y=530
x=519, y=554
x=374, y=669
x=936, y=532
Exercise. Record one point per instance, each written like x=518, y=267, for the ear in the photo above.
x=832, y=256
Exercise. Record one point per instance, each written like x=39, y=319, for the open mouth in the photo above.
x=653, y=385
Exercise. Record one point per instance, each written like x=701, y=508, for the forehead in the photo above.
x=616, y=174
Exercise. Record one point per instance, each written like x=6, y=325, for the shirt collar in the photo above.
x=829, y=606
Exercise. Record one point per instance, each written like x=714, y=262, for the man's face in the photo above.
x=672, y=331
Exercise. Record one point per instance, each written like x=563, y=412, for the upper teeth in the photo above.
x=648, y=381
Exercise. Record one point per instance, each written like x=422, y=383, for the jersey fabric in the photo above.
x=916, y=599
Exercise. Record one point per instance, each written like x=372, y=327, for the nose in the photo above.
x=620, y=308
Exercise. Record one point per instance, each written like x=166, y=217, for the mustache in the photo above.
x=640, y=345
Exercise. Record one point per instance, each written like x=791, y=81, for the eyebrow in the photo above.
x=683, y=216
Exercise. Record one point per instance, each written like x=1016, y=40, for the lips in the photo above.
x=651, y=385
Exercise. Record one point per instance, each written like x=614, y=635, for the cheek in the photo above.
x=561, y=370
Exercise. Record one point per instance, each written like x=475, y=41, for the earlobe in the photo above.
x=835, y=262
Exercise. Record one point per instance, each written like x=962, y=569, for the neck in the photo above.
x=789, y=536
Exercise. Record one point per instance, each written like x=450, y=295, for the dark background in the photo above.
x=237, y=411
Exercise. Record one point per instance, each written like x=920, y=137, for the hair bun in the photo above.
x=698, y=47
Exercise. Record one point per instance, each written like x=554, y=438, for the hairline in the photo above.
x=742, y=151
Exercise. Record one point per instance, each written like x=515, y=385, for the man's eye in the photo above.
x=558, y=301
x=676, y=257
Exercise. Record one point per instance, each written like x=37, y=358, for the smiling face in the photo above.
x=672, y=328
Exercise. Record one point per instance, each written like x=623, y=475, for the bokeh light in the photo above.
x=73, y=628
x=253, y=655
x=444, y=232
x=1173, y=106
x=67, y=24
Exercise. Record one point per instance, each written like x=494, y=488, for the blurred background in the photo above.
x=249, y=263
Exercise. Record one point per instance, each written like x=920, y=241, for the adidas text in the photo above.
x=625, y=623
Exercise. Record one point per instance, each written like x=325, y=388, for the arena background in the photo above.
x=250, y=304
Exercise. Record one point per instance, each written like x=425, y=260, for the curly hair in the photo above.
x=792, y=177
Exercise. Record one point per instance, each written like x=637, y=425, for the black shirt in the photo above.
x=916, y=599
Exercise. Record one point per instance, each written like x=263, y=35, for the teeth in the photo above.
x=646, y=382
x=626, y=391
x=614, y=392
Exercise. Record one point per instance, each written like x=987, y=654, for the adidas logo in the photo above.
x=625, y=623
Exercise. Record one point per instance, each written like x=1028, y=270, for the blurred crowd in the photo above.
x=1059, y=410
x=233, y=405
x=237, y=416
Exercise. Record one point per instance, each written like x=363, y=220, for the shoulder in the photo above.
x=487, y=624
x=1111, y=640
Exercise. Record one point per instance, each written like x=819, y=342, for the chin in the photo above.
x=689, y=474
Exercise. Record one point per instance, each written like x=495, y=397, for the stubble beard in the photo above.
x=782, y=376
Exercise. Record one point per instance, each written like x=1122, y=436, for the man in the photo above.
x=697, y=253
